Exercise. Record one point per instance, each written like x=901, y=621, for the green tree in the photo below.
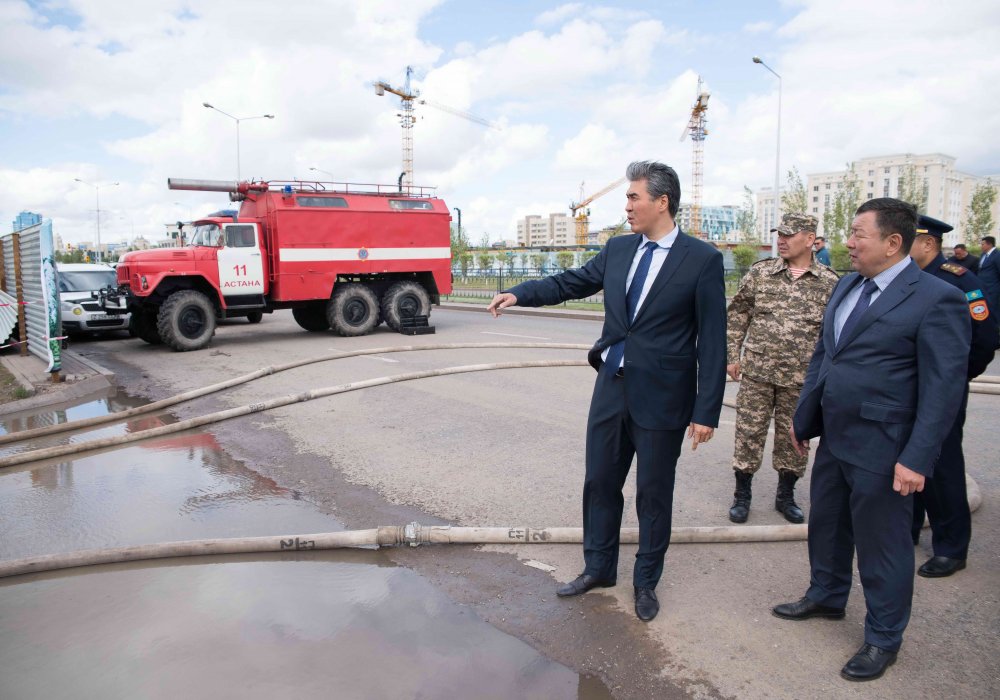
x=564, y=259
x=587, y=256
x=979, y=216
x=840, y=258
x=524, y=261
x=538, y=261
x=465, y=262
x=795, y=198
x=913, y=188
x=839, y=215
x=619, y=228
x=485, y=261
x=459, y=244
x=746, y=219
x=744, y=255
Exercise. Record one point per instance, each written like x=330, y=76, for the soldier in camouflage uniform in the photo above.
x=773, y=323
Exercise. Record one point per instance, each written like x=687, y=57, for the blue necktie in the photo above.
x=859, y=309
x=617, y=351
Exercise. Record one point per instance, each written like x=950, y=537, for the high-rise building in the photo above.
x=949, y=191
x=717, y=223
x=556, y=229
x=24, y=220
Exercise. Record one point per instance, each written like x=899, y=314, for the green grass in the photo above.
x=10, y=390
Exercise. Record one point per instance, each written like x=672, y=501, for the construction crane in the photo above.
x=580, y=211
x=407, y=97
x=696, y=127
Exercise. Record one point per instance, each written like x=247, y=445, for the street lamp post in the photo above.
x=325, y=172
x=97, y=190
x=777, y=160
x=237, y=120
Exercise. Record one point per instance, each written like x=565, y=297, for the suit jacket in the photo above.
x=989, y=275
x=675, y=348
x=892, y=388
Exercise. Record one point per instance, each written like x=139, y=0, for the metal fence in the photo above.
x=28, y=288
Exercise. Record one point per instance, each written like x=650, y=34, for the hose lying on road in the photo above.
x=263, y=372
x=413, y=534
x=114, y=441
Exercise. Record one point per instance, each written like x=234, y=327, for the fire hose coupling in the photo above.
x=411, y=534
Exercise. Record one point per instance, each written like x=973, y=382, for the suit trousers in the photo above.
x=853, y=508
x=613, y=439
x=945, y=497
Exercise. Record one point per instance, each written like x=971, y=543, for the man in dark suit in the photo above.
x=881, y=393
x=989, y=271
x=962, y=257
x=944, y=497
x=661, y=370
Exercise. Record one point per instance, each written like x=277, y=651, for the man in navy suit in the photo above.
x=661, y=370
x=989, y=271
x=881, y=391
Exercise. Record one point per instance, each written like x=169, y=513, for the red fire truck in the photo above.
x=341, y=256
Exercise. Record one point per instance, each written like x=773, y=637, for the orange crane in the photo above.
x=407, y=96
x=696, y=126
x=580, y=211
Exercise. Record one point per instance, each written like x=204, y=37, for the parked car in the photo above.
x=81, y=311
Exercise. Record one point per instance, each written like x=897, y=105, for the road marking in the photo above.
x=382, y=359
x=513, y=335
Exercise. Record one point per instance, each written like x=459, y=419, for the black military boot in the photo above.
x=784, y=501
x=740, y=510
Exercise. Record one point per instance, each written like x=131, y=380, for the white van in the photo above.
x=81, y=312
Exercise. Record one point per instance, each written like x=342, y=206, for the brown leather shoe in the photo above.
x=582, y=584
x=804, y=608
x=868, y=664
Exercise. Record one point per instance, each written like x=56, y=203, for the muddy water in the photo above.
x=331, y=624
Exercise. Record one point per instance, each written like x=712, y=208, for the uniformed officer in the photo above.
x=944, y=496
x=772, y=325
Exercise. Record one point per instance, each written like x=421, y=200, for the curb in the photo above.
x=101, y=381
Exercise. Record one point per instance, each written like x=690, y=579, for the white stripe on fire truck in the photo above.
x=343, y=254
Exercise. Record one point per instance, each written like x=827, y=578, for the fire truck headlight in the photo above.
x=143, y=282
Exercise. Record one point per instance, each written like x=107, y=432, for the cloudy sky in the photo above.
x=107, y=91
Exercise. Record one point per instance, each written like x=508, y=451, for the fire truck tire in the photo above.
x=404, y=300
x=143, y=324
x=311, y=318
x=353, y=310
x=255, y=316
x=186, y=320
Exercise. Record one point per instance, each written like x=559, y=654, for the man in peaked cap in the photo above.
x=772, y=325
x=944, y=497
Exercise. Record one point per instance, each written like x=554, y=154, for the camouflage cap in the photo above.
x=793, y=222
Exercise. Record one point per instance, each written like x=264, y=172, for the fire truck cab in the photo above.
x=341, y=256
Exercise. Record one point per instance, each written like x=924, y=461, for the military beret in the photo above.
x=793, y=222
x=932, y=227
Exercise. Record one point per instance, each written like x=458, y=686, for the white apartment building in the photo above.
x=949, y=191
x=556, y=229
x=765, y=211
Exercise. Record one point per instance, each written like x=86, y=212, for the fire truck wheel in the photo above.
x=255, y=316
x=353, y=310
x=312, y=318
x=404, y=300
x=143, y=323
x=187, y=320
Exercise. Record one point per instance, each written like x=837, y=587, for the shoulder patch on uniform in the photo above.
x=954, y=269
x=974, y=294
x=979, y=310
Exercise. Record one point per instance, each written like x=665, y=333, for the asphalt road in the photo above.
x=506, y=448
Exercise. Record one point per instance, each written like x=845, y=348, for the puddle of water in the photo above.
x=334, y=624
x=61, y=413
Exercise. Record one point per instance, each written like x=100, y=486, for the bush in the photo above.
x=840, y=258
x=744, y=256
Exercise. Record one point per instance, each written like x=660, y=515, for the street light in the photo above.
x=237, y=120
x=459, y=223
x=777, y=160
x=325, y=172
x=97, y=190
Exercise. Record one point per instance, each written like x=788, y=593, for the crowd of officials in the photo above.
x=875, y=364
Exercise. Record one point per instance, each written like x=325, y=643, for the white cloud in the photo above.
x=758, y=27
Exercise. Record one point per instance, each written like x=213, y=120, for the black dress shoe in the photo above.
x=582, y=584
x=868, y=664
x=646, y=604
x=804, y=608
x=939, y=567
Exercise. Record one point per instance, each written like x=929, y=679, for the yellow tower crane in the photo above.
x=696, y=126
x=407, y=97
x=580, y=211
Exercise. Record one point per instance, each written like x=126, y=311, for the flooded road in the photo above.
x=331, y=624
